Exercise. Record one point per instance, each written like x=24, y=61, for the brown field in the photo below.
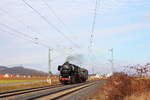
x=123, y=87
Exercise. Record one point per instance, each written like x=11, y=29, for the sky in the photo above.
x=66, y=25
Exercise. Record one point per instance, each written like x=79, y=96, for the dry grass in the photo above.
x=26, y=85
x=23, y=78
x=123, y=87
x=21, y=86
x=138, y=96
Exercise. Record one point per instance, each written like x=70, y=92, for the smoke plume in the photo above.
x=77, y=59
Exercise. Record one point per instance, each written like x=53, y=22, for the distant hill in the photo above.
x=20, y=70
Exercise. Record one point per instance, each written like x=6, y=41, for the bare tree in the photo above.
x=138, y=70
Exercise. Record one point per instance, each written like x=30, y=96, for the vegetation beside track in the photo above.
x=13, y=81
x=10, y=87
x=21, y=86
x=120, y=86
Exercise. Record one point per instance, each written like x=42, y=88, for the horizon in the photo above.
x=123, y=25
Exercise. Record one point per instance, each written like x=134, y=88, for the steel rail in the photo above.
x=66, y=94
x=57, y=91
x=27, y=90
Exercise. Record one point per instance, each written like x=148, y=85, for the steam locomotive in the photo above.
x=70, y=74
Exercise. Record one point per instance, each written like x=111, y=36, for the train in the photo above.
x=71, y=74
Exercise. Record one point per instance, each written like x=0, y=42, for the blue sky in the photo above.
x=120, y=24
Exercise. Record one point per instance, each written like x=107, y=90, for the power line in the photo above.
x=53, y=12
x=58, y=18
x=49, y=23
x=93, y=23
x=15, y=30
x=93, y=27
x=21, y=22
x=92, y=32
x=18, y=36
x=32, y=39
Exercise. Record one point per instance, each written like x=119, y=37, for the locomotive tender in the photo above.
x=70, y=74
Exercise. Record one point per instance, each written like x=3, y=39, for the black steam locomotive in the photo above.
x=70, y=74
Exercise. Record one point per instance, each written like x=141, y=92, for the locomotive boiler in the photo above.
x=70, y=73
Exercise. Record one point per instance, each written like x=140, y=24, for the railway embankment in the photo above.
x=122, y=87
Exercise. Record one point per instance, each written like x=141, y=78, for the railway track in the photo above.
x=12, y=93
x=60, y=95
x=44, y=93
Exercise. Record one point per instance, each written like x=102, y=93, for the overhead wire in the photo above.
x=24, y=36
x=22, y=23
x=93, y=26
x=33, y=39
x=30, y=38
x=90, y=47
x=58, y=18
x=49, y=23
x=18, y=36
x=93, y=23
x=16, y=32
x=53, y=12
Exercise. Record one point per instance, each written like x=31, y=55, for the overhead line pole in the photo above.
x=112, y=59
x=49, y=66
x=92, y=31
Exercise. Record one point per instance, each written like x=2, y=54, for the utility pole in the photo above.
x=49, y=66
x=112, y=59
x=93, y=70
